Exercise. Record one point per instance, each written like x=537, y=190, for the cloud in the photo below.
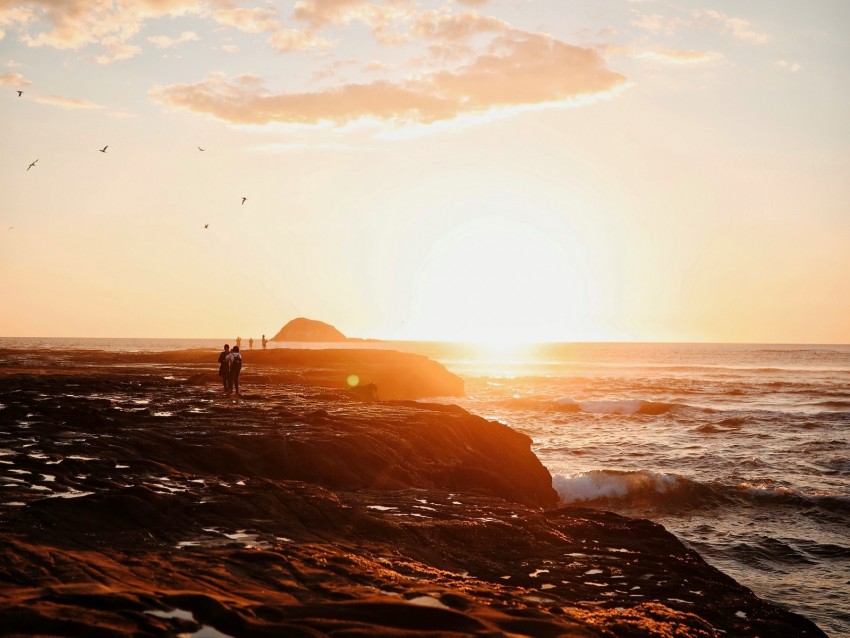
x=256, y=20
x=13, y=16
x=67, y=102
x=452, y=27
x=15, y=79
x=793, y=67
x=679, y=56
x=658, y=23
x=383, y=18
x=376, y=66
x=332, y=70
x=517, y=72
x=74, y=24
x=321, y=13
x=739, y=28
x=472, y=3
x=116, y=48
x=286, y=40
x=164, y=42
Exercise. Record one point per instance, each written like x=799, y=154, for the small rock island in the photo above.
x=302, y=329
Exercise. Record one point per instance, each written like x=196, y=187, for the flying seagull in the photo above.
x=103, y=150
x=20, y=93
x=31, y=165
x=200, y=149
x=206, y=225
x=243, y=199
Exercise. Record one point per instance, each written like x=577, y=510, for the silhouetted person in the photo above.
x=234, y=361
x=264, y=342
x=222, y=365
x=251, y=343
x=238, y=342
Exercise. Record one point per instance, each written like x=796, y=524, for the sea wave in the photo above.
x=779, y=494
x=672, y=491
x=593, y=406
x=630, y=488
x=838, y=405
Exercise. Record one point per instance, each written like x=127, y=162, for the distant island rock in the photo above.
x=302, y=329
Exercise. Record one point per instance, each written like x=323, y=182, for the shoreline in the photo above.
x=302, y=509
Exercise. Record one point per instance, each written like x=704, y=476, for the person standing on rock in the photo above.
x=234, y=367
x=264, y=342
x=223, y=370
x=238, y=342
x=251, y=343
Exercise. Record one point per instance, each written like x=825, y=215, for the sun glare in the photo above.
x=503, y=283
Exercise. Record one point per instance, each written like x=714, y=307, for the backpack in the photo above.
x=236, y=361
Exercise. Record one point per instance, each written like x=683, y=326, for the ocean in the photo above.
x=742, y=451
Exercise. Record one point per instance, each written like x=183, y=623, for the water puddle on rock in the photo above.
x=204, y=632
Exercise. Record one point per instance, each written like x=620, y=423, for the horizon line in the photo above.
x=467, y=342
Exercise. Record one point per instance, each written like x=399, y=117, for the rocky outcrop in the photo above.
x=395, y=375
x=302, y=329
x=135, y=504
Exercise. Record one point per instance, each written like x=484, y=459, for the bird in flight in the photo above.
x=20, y=93
x=200, y=149
x=206, y=225
x=11, y=227
x=103, y=150
x=31, y=165
x=243, y=199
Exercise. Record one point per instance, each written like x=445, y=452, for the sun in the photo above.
x=503, y=282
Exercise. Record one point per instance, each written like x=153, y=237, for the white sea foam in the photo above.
x=611, y=407
x=589, y=486
x=597, y=406
x=779, y=491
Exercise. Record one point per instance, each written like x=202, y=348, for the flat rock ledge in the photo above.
x=137, y=505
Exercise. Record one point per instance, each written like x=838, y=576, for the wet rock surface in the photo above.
x=137, y=505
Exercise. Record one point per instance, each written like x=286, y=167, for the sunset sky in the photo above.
x=549, y=170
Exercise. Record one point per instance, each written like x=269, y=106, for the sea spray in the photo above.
x=606, y=484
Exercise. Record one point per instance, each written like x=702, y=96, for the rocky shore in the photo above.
x=138, y=501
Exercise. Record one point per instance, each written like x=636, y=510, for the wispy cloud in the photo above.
x=255, y=20
x=74, y=24
x=286, y=40
x=15, y=79
x=385, y=18
x=793, y=67
x=738, y=27
x=662, y=55
x=658, y=23
x=14, y=17
x=165, y=42
x=451, y=27
x=67, y=102
x=710, y=19
x=518, y=71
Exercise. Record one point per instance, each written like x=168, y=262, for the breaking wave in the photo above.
x=629, y=488
x=612, y=406
x=672, y=491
